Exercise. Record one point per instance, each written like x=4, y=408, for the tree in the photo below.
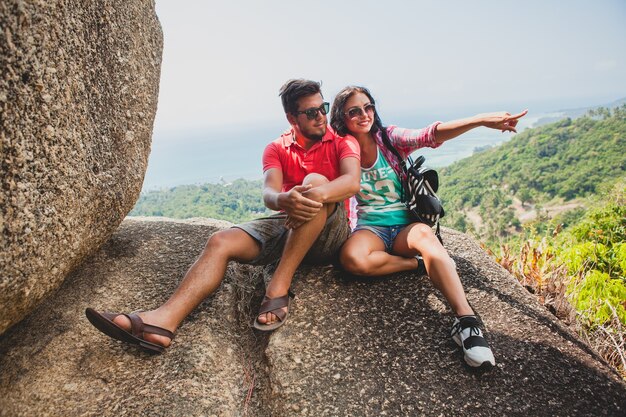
x=524, y=195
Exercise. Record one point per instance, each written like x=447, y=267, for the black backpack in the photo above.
x=419, y=188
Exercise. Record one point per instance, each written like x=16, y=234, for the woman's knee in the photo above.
x=423, y=231
x=423, y=239
x=355, y=263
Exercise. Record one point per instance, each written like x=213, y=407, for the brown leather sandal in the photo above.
x=103, y=321
x=274, y=306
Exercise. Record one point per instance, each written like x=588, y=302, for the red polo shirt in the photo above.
x=296, y=163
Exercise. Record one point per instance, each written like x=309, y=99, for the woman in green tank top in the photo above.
x=385, y=239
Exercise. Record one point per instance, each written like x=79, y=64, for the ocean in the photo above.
x=215, y=155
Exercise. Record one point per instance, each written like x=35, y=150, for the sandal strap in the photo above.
x=138, y=328
x=158, y=330
x=274, y=306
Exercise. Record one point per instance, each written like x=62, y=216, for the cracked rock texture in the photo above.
x=351, y=347
x=78, y=96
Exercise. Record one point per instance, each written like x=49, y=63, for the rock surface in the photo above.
x=350, y=347
x=54, y=360
x=78, y=95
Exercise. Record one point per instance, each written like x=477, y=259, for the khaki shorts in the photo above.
x=271, y=234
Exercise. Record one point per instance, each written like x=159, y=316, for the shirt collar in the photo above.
x=289, y=136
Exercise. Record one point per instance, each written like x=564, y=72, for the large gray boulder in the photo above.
x=350, y=347
x=78, y=95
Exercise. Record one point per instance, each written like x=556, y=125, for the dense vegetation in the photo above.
x=238, y=201
x=579, y=272
x=562, y=161
x=575, y=261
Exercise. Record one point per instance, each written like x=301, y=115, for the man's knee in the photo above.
x=315, y=180
x=218, y=242
x=228, y=243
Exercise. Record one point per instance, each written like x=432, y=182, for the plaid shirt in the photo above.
x=406, y=141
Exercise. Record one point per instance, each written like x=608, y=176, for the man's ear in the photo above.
x=291, y=119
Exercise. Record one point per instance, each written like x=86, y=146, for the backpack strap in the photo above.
x=389, y=146
x=438, y=234
x=402, y=175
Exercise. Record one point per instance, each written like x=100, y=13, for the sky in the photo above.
x=224, y=61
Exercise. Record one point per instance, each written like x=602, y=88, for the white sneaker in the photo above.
x=467, y=334
x=421, y=267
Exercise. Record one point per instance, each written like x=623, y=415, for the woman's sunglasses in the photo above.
x=311, y=113
x=355, y=112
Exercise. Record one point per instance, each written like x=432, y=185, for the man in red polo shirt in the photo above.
x=309, y=172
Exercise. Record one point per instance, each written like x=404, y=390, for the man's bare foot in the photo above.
x=148, y=317
x=269, y=318
x=271, y=292
x=273, y=311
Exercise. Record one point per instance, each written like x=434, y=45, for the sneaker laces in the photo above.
x=474, y=331
x=467, y=322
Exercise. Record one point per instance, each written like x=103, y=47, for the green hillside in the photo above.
x=579, y=272
x=550, y=205
x=238, y=201
x=545, y=167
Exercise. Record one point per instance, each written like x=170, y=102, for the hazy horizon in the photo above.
x=206, y=155
x=223, y=62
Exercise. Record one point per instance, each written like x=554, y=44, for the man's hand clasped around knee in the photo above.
x=299, y=208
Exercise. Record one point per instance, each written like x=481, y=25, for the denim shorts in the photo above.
x=386, y=233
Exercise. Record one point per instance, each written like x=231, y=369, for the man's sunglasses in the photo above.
x=355, y=112
x=311, y=113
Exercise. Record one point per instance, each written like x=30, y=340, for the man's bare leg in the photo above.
x=298, y=243
x=200, y=281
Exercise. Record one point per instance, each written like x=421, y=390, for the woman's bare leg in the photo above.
x=364, y=254
x=420, y=238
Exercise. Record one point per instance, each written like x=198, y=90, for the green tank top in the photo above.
x=378, y=201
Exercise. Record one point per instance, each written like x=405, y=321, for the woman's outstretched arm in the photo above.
x=503, y=121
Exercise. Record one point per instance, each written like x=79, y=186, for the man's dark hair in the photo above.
x=294, y=90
